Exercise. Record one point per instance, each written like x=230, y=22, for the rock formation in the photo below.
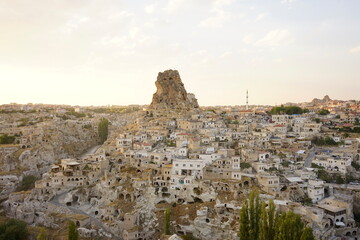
x=327, y=99
x=320, y=101
x=171, y=93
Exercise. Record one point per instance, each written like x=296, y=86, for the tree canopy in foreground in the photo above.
x=261, y=222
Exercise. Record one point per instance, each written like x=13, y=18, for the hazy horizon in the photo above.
x=147, y=104
x=92, y=52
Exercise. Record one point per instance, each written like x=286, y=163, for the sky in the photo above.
x=109, y=52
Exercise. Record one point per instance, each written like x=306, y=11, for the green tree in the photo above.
x=244, y=222
x=289, y=227
x=255, y=212
x=264, y=226
x=339, y=179
x=27, y=183
x=307, y=234
x=250, y=218
x=72, y=231
x=42, y=234
x=307, y=200
x=288, y=110
x=355, y=165
x=324, y=141
x=244, y=165
x=324, y=175
x=268, y=221
x=103, y=129
x=13, y=230
x=323, y=112
x=167, y=221
x=258, y=222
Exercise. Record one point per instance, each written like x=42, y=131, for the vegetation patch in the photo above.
x=290, y=110
x=6, y=139
x=27, y=183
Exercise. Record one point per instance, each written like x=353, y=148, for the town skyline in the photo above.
x=147, y=104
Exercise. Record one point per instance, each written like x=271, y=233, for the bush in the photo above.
x=13, y=230
x=27, y=183
x=350, y=130
x=6, y=139
x=42, y=234
x=314, y=165
x=355, y=165
x=244, y=165
x=72, y=231
x=285, y=163
x=339, y=180
x=167, y=221
x=327, y=141
x=188, y=237
x=307, y=200
x=323, y=112
x=87, y=126
x=324, y=175
x=290, y=110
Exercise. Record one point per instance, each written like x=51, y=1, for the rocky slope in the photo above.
x=48, y=142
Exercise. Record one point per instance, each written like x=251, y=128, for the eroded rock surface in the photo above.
x=171, y=93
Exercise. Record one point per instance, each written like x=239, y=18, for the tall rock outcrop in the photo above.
x=171, y=93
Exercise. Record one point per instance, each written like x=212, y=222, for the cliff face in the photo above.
x=53, y=141
x=171, y=93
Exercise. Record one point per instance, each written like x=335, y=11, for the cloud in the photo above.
x=149, y=9
x=175, y=5
x=201, y=57
x=218, y=19
x=126, y=43
x=121, y=16
x=74, y=23
x=248, y=39
x=275, y=38
x=257, y=60
x=355, y=50
x=221, y=3
x=287, y=1
x=218, y=16
x=260, y=16
x=227, y=54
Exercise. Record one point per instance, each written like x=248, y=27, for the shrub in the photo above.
x=6, y=139
x=27, y=183
x=13, y=230
x=244, y=165
x=288, y=110
x=323, y=112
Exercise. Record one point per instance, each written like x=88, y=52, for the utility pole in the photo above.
x=247, y=100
